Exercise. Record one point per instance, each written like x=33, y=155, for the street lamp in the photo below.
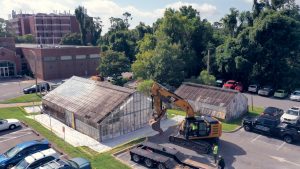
x=35, y=70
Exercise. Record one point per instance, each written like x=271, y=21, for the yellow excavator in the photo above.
x=197, y=132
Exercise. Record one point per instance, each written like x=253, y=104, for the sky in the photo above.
x=147, y=11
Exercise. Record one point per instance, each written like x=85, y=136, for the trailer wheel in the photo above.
x=148, y=163
x=161, y=166
x=136, y=158
x=288, y=139
x=247, y=128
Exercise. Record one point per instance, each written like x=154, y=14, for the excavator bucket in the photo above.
x=155, y=124
x=155, y=121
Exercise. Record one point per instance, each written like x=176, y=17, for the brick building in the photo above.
x=46, y=28
x=57, y=62
x=10, y=63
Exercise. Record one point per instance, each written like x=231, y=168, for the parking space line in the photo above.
x=255, y=138
x=278, y=148
x=15, y=137
x=134, y=164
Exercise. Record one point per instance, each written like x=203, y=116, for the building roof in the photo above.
x=89, y=99
x=49, y=46
x=206, y=94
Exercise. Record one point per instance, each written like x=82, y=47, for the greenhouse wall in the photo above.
x=134, y=113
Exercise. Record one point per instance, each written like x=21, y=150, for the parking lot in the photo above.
x=254, y=151
x=241, y=149
x=10, y=138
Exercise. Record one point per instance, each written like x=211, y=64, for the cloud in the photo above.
x=249, y=1
x=102, y=8
x=202, y=8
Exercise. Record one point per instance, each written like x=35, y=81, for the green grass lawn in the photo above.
x=98, y=160
x=24, y=99
x=226, y=126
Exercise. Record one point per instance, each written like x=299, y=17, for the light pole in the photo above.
x=35, y=73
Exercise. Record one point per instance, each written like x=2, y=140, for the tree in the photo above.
x=71, y=39
x=230, y=21
x=95, y=29
x=25, y=39
x=145, y=87
x=81, y=16
x=113, y=64
x=5, y=28
x=206, y=78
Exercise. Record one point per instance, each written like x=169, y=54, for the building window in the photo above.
x=93, y=56
x=80, y=56
x=49, y=58
x=66, y=58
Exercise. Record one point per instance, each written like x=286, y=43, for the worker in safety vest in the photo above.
x=215, y=152
x=194, y=128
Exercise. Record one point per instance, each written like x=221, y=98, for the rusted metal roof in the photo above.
x=206, y=94
x=89, y=99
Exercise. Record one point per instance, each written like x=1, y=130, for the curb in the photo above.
x=123, y=151
x=233, y=131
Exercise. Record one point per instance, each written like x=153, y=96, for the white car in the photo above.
x=295, y=95
x=9, y=124
x=38, y=159
x=291, y=116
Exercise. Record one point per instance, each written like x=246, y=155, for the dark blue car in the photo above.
x=12, y=156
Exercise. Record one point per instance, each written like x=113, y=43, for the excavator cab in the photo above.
x=195, y=127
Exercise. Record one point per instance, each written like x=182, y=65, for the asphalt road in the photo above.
x=241, y=150
x=13, y=88
x=10, y=138
x=260, y=101
x=254, y=151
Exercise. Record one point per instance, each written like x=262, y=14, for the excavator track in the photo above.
x=200, y=146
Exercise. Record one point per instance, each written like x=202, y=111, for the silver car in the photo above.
x=9, y=124
x=253, y=88
x=295, y=95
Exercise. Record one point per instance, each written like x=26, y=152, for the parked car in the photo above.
x=9, y=124
x=232, y=84
x=266, y=91
x=272, y=126
x=220, y=82
x=292, y=115
x=74, y=163
x=14, y=155
x=239, y=87
x=44, y=86
x=273, y=111
x=295, y=95
x=253, y=88
x=37, y=159
x=281, y=93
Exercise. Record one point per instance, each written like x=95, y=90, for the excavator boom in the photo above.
x=158, y=92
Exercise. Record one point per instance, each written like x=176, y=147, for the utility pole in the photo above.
x=35, y=73
x=208, y=61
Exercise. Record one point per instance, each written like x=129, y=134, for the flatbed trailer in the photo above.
x=166, y=155
x=200, y=146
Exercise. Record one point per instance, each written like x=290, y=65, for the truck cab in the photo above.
x=271, y=125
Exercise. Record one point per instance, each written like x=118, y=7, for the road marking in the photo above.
x=121, y=155
x=15, y=137
x=134, y=164
x=255, y=138
x=278, y=148
x=282, y=160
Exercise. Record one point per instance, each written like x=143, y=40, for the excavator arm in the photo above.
x=160, y=94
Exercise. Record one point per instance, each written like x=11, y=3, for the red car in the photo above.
x=234, y=85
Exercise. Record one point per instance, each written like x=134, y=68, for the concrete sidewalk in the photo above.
x=76, y=138
x=19, y=104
